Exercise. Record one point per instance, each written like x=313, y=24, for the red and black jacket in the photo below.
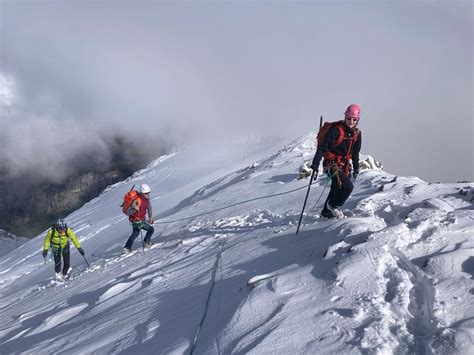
x=340, y=145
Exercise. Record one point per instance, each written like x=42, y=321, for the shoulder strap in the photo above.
x=356, y=134
x=342, y=134
x=53, y=228
x=353, y=140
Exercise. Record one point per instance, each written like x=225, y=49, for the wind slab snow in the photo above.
x=229, y=275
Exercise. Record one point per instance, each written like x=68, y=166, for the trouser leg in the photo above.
x=57, y=259
x=132, y=237
x=341, y=189
x=66, y=259
x=149, y=231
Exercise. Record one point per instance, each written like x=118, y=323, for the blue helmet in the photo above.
x=61, y=224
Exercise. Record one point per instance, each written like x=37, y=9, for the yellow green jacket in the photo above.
x=56, y=240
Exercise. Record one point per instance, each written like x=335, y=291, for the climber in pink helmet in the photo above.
x=339, y=146
x=352, y=111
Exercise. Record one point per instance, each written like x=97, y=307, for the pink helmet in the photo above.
x=352, y=111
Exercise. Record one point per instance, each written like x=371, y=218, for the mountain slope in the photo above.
x=230, y=276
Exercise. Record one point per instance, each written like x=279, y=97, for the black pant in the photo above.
x=341, y=188
x=65, y=253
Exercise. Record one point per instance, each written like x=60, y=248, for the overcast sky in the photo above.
x=174, y=71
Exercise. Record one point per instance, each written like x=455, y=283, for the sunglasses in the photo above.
x=352, y=119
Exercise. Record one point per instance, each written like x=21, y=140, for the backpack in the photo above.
x=331, y=156
x=342, y=133
x=54, y=228
x=128, y=199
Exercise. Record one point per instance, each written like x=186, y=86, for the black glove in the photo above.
x=45, y=253
x=315, y=176
x=354, y=174
x=81, y=251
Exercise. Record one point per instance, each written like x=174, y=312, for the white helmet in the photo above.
x=144, y=189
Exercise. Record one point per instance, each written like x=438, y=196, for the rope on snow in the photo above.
x=206, y=308
x=235, y=204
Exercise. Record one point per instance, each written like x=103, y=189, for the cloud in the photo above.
x=181, y=72
x=45, y=147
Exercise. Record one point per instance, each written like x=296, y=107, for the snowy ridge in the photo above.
x=9, y=242
x=228, y=274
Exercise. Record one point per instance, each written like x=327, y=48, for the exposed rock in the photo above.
x=9, y=242
x=7, y=235
x=35, y=207
x=368, y=163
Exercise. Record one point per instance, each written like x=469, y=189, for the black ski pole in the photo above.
x=86, y=261
x=309, y=187
x=143, y=242
x=304, y=204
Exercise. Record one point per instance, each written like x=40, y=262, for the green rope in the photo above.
x=232, y=205
x=213, y=278
x=328, y=178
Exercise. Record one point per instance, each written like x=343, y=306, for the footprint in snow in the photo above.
x=343, y=312
x=336, y=298
x=253, y=281
x=151, y=329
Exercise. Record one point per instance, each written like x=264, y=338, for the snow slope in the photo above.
x=229, y=275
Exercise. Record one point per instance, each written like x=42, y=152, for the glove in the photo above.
x=81, y=251
x=354, y=174
x=45, y=253
x=315, y=176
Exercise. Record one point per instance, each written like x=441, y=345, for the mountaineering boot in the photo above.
x=127, y=250
x=326, y=213
x=58, y=276
x=147, y=244
x=336, y=211
x=68, y=275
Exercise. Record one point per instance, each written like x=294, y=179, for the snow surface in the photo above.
x=229, y=275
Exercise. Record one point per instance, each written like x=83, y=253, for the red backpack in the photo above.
x=327, y=126
x=128, y=199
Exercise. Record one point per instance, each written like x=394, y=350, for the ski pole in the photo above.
x=305, y=200
x=86, y=261
x=143, y=242
x=309, y=186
